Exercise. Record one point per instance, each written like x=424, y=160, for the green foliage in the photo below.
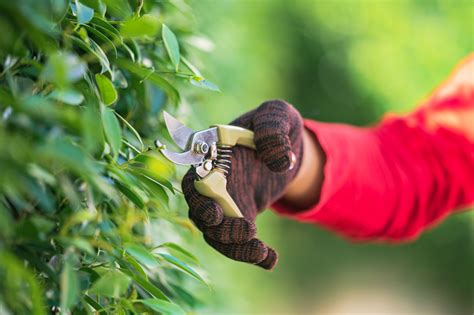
x=108, y=94
x=82, y=84
x=171, y=44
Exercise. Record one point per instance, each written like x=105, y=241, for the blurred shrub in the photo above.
x=343, y=61
x=81, y=85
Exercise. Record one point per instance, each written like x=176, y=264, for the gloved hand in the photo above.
x=256, y=180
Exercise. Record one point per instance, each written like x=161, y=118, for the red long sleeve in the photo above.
x=394, y=180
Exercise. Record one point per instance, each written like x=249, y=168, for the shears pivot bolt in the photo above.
x=208, y=165
x=201, y=147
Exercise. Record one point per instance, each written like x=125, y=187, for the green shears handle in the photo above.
x=214, y=185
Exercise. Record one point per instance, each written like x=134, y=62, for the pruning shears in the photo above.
x=209, y=151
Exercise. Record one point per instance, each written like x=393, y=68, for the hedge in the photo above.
x=82, y=86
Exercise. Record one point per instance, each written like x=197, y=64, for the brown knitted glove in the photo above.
x=256, y=180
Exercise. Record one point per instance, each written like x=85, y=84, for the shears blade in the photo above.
x=178, y=132
x=196, y=145
x=181, y=158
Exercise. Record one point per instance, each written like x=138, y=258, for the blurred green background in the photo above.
x=345, y=61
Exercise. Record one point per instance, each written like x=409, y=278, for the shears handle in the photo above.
x=233, y=135
x=214, y=185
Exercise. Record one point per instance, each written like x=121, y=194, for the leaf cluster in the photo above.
x=82, y=83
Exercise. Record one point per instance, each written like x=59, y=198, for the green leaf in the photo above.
x=78, y=242
x=95, y=305
x=132, y=49
x=133, y=130
x=82, y=217
x=147, y=175
x=107, y=90
x=138, y=268
x=119, y=8
x=191, y=67
x=171, y=44
x=135, y=49
x=67, y=96
x=10, y=265
x=150, y=75
x=94, y=49
x=107, y=29
x=63, y=68
x=99, y=34
x=141, y=254
x=113, y=283
x=163, y=307
x=112, y=129
x=84, y=13
x=100, y=54
x=97, y=5
x=69, y=284
x=92, y=140
x=128, y=185
x=155, y=189
x=147, y=25
x=130, y=52
x=147, y=285
x=179, y=249
x=42, y=224
x=186, y=296
x=203, y=83
x=182, y=266
x=6, y=222
x=158, y=166
x=41, y=174
x=131, y=193
x=62, y=151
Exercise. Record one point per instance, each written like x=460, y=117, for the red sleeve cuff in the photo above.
x=331, y=137
x=339, y=143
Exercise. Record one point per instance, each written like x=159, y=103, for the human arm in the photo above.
x=390, y=181
x=304, y=190
x=396, y=179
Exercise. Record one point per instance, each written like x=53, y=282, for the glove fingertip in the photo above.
x=281, y=163
x=206, y=212
x=275, y=124
x=232, y=230
x=203, y=211
x=270, y=261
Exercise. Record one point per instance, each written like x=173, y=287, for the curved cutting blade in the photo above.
x=183, y=158
x=179, y=132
